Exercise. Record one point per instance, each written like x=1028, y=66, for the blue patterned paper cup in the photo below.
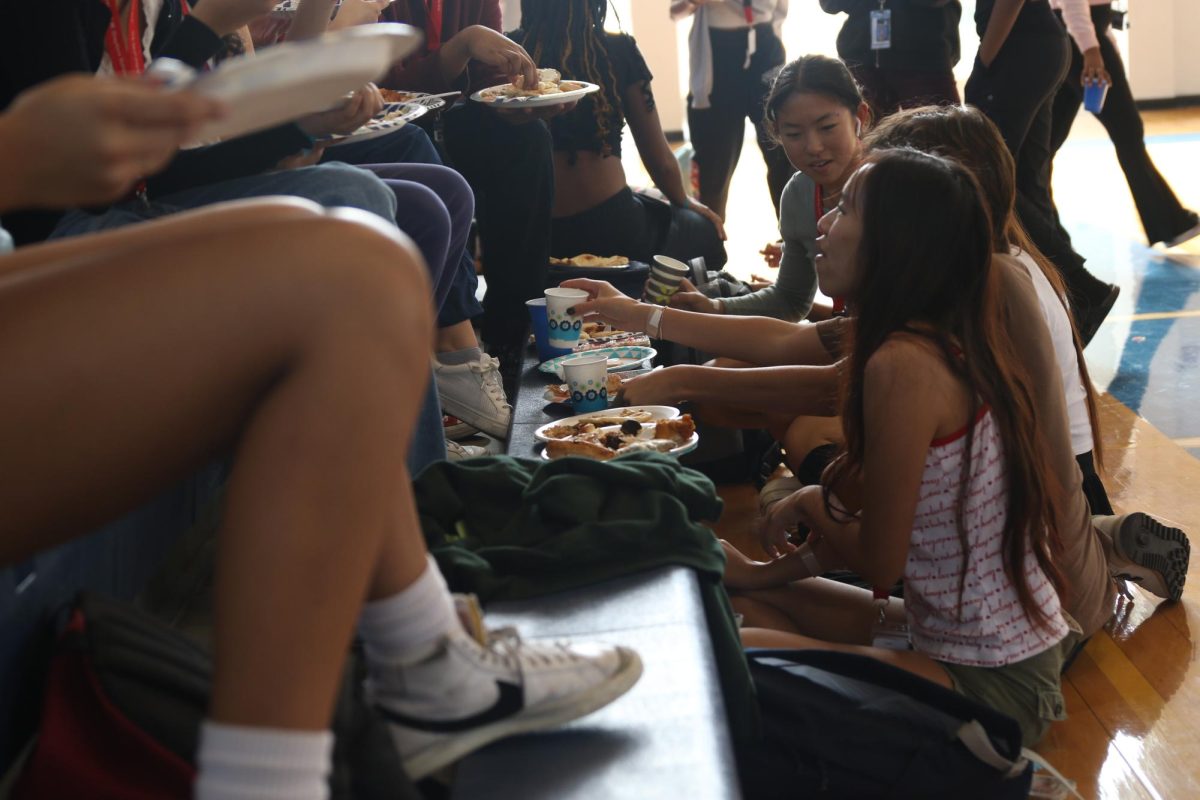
x=563, y=328
x=587, y=381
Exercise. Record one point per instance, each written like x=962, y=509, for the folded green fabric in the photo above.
x=507, y=529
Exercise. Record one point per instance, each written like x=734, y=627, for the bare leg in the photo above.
x=827, y=615
x=136, y=355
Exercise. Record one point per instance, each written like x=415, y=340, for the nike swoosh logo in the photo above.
x=510, y=702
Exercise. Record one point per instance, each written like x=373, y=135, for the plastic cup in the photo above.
x=587, y=381
x=541, y=330
x=665, y=275
x=1094, y=94
x=563, y=327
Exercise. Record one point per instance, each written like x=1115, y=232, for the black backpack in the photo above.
x=840, y=725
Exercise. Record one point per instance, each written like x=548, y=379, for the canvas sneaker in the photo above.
x=476, y=686
x=457, y=452
x=1151, y=554
x=473, y=393
x=454, y=428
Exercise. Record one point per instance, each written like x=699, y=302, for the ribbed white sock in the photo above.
x=410, y=621
x=237, y=762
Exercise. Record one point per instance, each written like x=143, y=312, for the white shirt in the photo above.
x=1059, y=324
x=730, y=14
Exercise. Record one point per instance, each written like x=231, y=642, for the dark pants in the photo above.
x=511, y=168
x=409, y=157
x=889, y=90
x=1093, y=487
x=1163, y=217
x=738, y=94
x=640, y=228
x=1017, y=92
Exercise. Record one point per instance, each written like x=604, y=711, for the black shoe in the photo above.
x=1191, y=231
x=1091, y=300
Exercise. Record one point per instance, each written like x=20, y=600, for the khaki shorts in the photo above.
x=1029, y=691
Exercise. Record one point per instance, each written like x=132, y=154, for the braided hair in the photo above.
x=568, y=35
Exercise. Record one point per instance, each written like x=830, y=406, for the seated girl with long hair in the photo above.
x=957, y=492
x=595, y=211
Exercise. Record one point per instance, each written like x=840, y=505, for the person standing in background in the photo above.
x=1022, y=60
x=734, y=52
x=1094, y=58
x=902, y=52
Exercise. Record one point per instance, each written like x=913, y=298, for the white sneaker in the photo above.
x=467, y=693
x=473, y=393
x=457, y=452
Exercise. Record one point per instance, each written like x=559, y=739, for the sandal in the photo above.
x=1157, y=554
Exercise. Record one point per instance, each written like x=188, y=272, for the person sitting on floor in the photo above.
x=312, y=390
x=595, y=211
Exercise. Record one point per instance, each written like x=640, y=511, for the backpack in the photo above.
x=124, y=700
x=842, y=725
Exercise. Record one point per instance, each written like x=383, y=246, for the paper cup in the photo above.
x=665, y=275
x=587, y=381
x=563, y=328
x=541, y=330
x=1094, y=95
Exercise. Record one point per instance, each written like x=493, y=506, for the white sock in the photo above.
x=410, y=621
x=237, y=762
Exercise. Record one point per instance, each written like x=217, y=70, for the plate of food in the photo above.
x=551, y=90
x=586, y=423
x=432, y=102
x=290, y=80
x=672, y=436
x=590, y=261
x=393, y=117
x=619, y=359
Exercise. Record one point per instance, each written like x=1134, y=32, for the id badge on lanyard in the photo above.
x=881, y=27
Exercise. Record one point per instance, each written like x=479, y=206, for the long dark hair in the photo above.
x=569, y=36
x=925, y=268
x=966, y=135
x=816, y=74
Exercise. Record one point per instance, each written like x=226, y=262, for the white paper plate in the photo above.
x=492, y=97
x=381, y=125
x=656, y=413
x=293, y=79
x=687, y=447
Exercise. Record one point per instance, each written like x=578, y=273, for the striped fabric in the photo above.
x=991, y=629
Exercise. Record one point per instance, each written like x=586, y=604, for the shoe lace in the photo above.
x=488, y=369
x=504, y=646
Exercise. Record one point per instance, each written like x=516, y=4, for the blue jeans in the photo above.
x=329, y=185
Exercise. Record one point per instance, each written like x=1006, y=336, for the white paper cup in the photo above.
x=563, y=328
x=587, y=381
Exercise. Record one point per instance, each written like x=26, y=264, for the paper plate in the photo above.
x=656, y=413
x=492, y=97
x=619, y=359
x=293, y=79
x=393, y=117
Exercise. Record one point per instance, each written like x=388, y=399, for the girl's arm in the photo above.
x=656, y=154
x=999, y=25
x=758, y=340
x=311, y=20
x=798, y=391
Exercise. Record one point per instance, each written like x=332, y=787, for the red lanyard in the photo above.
x=839, y=303
x=125, y=51
x=748, y=10
x=433, y=21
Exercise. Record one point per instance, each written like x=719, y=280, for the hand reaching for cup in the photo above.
x=606, y=304
x=80, y=140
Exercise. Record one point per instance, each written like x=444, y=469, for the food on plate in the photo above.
x=612, y=339
x=396, y=96
x=590, y=260
x=561, y=392
x=549, y=82
x=630, y=436
x=594, y=422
